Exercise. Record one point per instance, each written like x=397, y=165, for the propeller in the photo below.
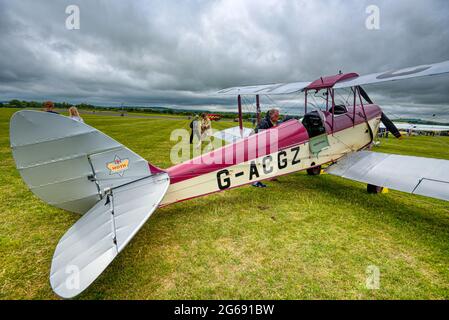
x=390, y=125
x=384, y=119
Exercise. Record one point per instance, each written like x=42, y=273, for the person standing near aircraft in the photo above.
x=196, y=129
x=49, y=106
x=271, y=120
x=206, y=126
x=74, y=114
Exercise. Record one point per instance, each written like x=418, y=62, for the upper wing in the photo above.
x=397, y=74
x=93, y=242
x=424, y=176
x=270, y=89
x=391, y=75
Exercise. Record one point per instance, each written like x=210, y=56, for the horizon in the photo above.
x=176, y=108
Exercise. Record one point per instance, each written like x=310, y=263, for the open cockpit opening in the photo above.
x=313, y=123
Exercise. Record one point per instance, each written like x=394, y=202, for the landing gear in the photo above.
x=374, y=189
x=315, y=171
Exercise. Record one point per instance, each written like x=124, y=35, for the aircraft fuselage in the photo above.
x=278, y=151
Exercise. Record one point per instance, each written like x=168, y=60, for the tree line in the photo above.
x=22, y=104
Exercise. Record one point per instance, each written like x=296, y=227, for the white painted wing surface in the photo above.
x=418, y=127
x=391, y=75
x=93, y=242
x=416, y=175
x=233, y=134
x=268, y=89
x=429, y=127
x=399, y=125
x=397, y=74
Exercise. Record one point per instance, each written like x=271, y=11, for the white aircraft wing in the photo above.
x=427, y=127
x=416, y=175
x=399, y=125
x=397, y=74
x=391, y=75
x=418, y=127
x=269, y=89
x=233, y=134
x=94, y=241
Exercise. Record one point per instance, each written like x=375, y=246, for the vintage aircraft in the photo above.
x=75, y=167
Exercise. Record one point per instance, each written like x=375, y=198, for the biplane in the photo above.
x=75, y=167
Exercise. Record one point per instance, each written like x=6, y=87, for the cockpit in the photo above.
x=313, y=122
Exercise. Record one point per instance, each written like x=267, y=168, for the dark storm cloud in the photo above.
x=178, y=52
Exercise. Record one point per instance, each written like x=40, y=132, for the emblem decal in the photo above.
x=118, y=166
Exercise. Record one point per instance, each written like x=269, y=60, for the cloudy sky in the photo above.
x=178, y=53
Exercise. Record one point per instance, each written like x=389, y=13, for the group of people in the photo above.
x=201, y=128
x=74, y=114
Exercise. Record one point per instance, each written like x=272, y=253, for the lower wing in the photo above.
x=416, y=175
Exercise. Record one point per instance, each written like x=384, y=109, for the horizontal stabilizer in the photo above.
x=91, y=244
x=416, y=175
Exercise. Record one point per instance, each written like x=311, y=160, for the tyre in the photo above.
x=314, y=171
x=373, y=189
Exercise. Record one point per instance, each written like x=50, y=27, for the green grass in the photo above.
x=302, y=238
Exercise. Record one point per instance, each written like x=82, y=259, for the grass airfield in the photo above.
x=301, y=238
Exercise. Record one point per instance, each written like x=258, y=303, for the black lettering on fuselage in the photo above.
x=296, y=158
x=253, y=170
x=267, y=166
x=282, y=163
x=223, y=183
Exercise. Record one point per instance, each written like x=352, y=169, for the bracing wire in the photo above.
x=281, y=106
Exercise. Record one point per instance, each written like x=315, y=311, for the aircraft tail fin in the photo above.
x=69, y=164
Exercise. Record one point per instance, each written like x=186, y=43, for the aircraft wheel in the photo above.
x=314, y=171
x=374, y=189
